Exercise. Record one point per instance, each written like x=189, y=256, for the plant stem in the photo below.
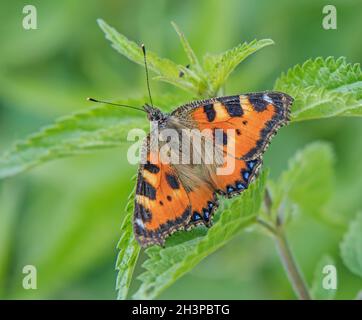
x=290, y=266
x=286, y=256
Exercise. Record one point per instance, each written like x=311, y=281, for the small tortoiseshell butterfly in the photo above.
x=171, y=197
x=179, y=196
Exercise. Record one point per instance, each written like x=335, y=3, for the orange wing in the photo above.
x=253, y=117
x=163, y=206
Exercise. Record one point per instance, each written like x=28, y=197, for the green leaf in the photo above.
x=308, y=183
x=188, y=50
x=351, y=246
x=97, y=128
x=194, y=79
x=81, y=229
x=323, y=88
x=194, y=71
x=185, y=250
x=166, y=70
x=220, y=66
x=8, y=217
x=133, y=52
x=317, y=290
x=129, y=250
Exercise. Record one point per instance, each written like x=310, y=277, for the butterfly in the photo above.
x=172, y=195
x=178, y=196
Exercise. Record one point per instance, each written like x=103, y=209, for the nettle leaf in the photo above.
x=317, y=291
x=194, y=61
x=220, y=66
x=184, y=250
x=129, y=250
x=166, y=70
x=323, y=88
x=308, y=183
x=133, y=52
x=351, y=246
x=97, y=128
x=194, y=70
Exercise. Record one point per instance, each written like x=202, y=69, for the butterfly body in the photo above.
x=180, y=194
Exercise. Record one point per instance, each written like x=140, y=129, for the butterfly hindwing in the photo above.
x=239, y=178
x=203, y=203
x=163, y=205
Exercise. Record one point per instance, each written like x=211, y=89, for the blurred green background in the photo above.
x=64, y=217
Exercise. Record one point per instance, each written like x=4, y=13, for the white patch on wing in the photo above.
x=140, y=223
x=267, y=98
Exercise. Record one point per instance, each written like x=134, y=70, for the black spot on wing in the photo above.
x=261, y=100
x=145, y=189
x=232, y=105
x=277, y=98
x=206, y=214
x=151, y=167
x=196, y=216
x=172, y=181
x=258, y=102
x=142, y=213
x=246, y=175
x=210, y=112
x=234, y=109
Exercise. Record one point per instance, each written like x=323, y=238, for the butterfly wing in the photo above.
x=255, y=118
x=163, y=205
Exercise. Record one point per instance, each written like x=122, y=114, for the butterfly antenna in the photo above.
x=148, y=82
x=115, y=104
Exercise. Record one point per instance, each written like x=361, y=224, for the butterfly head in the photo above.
x=154, y=114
